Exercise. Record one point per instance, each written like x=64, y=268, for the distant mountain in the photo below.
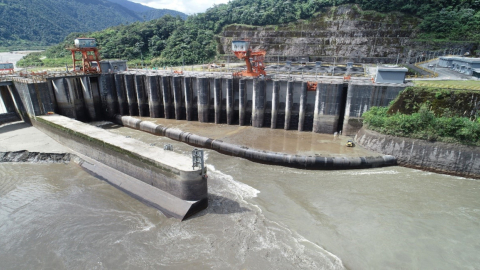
x=135, y=7
x=148, y=13
x=29, y=23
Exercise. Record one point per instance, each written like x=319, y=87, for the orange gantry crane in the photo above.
x=253, y=59
x=87, y=47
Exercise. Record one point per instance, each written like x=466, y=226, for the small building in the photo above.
x=391, y=75
x=462, y=65
x=113, y=66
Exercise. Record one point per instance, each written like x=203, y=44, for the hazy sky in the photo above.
x=185, y=6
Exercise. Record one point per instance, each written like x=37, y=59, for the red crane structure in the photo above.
x=89, y=55
x=253, y=59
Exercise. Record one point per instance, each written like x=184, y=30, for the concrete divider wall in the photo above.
x=142, y=95
x=91, y=99
x=108, y=94
x=154, y=98
x=185, y=188
x=121, y=94
x=362, y=97
x=131, y=94
x=433, y=156
x=297, y=161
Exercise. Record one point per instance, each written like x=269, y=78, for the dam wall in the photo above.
x=334, y=106
x=280, y=103
x=179, y=190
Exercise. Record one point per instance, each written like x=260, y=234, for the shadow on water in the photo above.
x=221, y=206
x=13, y=126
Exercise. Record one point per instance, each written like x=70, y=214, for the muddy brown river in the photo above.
x=57, y=216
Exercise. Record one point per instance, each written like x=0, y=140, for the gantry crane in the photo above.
x=253, y=59
x=89, y=52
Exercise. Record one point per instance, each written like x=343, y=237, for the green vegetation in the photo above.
x=473, y=85
x=429, y=114
x=25, y=23
x=172, y=41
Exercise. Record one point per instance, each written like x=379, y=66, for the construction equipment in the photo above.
x=90, y=57
x=253, y=59
x=6, y=68
x=350, y=143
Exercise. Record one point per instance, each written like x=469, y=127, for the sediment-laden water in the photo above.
x=56, y=216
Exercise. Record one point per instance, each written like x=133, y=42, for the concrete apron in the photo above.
x=160, y=178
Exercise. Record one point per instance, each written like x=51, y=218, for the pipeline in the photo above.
x=267, y=157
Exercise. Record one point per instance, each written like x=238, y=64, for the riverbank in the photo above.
x=453, y=159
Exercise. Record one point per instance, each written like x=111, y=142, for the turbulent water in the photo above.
x=57, y=216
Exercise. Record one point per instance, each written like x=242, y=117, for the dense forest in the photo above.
x=33, y=23
x=171, y=40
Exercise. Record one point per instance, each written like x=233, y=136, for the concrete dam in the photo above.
x=289, y=103
x=285, y=103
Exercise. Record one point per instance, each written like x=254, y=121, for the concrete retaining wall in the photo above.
x=184, y=189
x=305, y=162
x=361, y=97
x=434, y=156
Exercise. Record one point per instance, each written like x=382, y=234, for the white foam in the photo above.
x=369, y=172
x=243, y=190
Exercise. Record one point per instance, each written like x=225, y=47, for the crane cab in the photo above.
x=240, y=45
x=85, y=43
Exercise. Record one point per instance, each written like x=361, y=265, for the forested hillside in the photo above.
x=167, y=41
x=148, y=13
x=45, y=22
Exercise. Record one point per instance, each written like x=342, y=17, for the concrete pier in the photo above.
x=121, y=95
x=203, y=95
x=108, y=93
x=242, y=101
x=303, y=106
x=63, y=96
x=151, y=86
x=76, y=93
x=328, y=105
x=142, y=97
x=168, y=106
x=92, y=99
x=178, y=99
x=275, y=98
x=289, y=104
x=229, y=100
x=131, y=94
x=217, y=102
x=188, y=93
x=258, y=106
